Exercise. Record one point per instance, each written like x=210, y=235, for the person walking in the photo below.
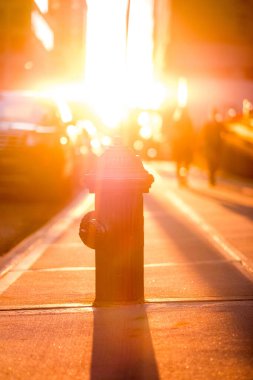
x=182, y=143
x=212, y=136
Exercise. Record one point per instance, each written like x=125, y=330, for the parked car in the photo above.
x=41, y=150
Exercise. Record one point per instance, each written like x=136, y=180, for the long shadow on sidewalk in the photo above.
x=223, y=280
x=192, y=246
x=240, y=209
x=122, y=345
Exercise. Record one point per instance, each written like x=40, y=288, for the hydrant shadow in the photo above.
x=122, y=345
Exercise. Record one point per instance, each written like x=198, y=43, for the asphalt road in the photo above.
x=20, y=217
x=197, y=320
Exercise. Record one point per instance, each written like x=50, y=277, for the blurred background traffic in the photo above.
x=75, y=73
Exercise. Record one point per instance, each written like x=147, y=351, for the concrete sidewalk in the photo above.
x=158, y=341
x=196, y=322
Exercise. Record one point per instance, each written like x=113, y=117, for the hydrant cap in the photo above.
x=119, y=164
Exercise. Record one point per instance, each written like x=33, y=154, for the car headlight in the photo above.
x=64, y=140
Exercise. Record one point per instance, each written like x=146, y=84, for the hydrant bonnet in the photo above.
x=116, y=166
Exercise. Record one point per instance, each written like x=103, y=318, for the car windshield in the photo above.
x=27, y=109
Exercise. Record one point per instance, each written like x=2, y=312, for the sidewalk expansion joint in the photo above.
x=150, y=265
x=76, y=307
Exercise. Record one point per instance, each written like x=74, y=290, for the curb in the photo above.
x=60, y=222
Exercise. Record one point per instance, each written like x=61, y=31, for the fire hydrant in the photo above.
x=116, y=228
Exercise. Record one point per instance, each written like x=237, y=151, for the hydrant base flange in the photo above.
x=99, y=303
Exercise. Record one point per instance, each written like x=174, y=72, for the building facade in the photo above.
x=41, y=41
x=204, y=37
x=210, y=44
x=68, y=21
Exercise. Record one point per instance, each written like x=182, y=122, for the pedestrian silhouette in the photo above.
x=182, y=143
x=212, y=136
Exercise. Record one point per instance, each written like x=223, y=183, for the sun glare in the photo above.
x=139, y=65
x=118, y=73
x=106, y=58
x=119, y=65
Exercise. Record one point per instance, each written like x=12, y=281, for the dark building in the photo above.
x=68, y=21
x=210, y=44
x=41, y=41
x=204, y=37
x=15, y=30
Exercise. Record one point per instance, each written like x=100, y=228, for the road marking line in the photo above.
x=40, y=241
x=208, y=231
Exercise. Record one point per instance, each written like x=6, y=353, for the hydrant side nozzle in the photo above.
x=91, y=231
